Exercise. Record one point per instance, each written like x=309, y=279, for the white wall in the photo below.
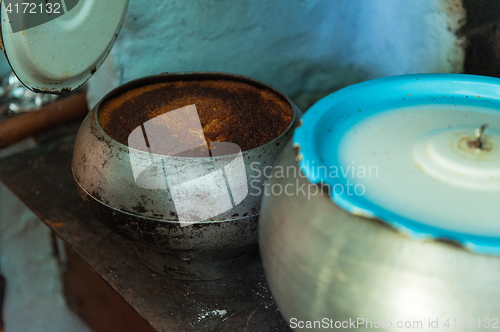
x=303, y=47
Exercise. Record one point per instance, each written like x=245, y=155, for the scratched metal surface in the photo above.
x=42, y=179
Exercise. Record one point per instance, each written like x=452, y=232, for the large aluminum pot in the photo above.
x=332, y=268
x=213, y=248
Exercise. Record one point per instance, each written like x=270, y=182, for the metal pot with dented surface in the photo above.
x=393, y=219
x=175, y=163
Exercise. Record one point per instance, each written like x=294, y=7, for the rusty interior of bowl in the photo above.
x=228, y=111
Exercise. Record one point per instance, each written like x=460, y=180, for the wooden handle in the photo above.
x=49, y=116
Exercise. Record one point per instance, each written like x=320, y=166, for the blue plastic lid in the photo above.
x=334, y=119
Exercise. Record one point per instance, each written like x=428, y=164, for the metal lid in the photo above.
x=55, y=46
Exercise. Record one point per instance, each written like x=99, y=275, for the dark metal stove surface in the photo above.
x=42, y=179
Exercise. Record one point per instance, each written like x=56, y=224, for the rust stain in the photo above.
x=47, y=90
x=53, y=224
x=298, y=155
x=250, y=317
x=361, y=214
x=450, y=242
x=420, y=168
x=456, y=20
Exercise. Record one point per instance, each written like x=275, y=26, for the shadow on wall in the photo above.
x=483, y=51
x=482, y=31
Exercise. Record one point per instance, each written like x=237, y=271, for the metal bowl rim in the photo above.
x=305, y=148
x=191, y=76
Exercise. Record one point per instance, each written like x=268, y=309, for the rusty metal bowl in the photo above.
x=209, y=249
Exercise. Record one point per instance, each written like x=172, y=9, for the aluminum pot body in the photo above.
x=213, y=248
x=323, y=262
